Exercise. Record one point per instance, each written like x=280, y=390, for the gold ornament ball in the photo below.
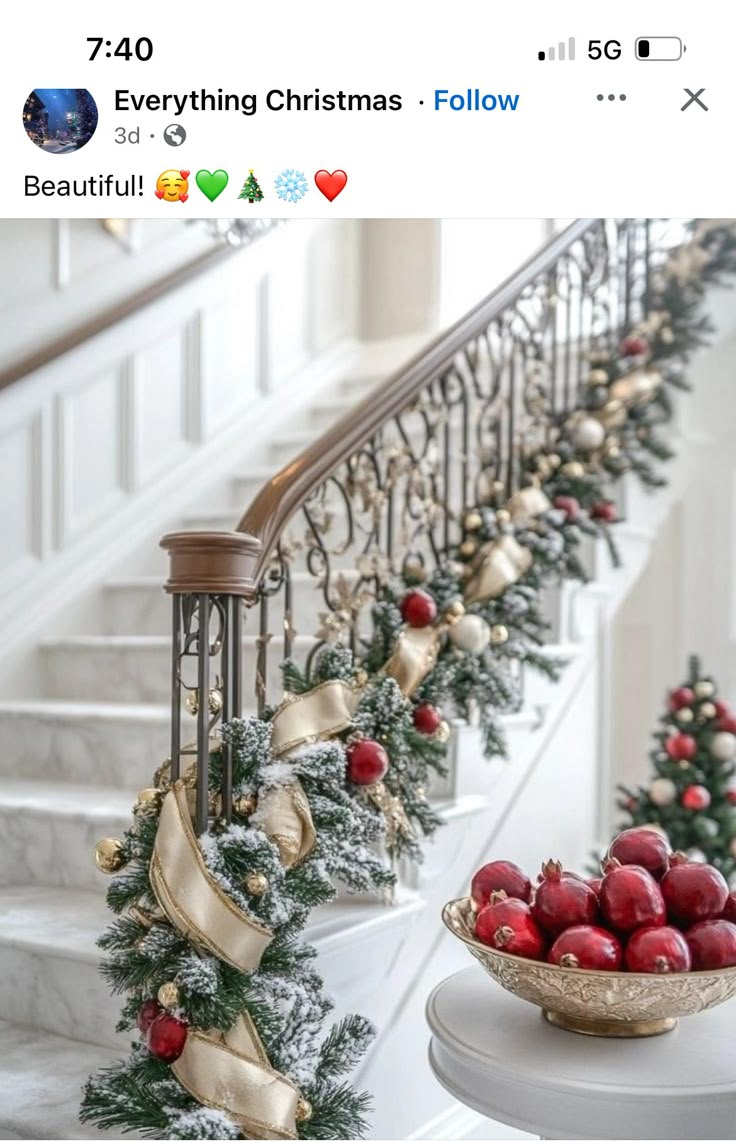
x=554, y=460
x=499, y=634
x=303, y=1110
x=468, y=547
x=683, y=764
x=214, y=702
x=245, y=805
x=148, y=802
x=473, y=521
x=192, y=702
x=256, y=883
x=685, y=715
x=612, y=451
x=503, y=517
x=707, y=710
x=109, y=855
x=597, y=377
x=455, y=611
x=168, y=995
x=704, y=689
x=574, y=469
x=442, y=733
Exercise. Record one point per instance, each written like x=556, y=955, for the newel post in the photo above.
x=210, y=578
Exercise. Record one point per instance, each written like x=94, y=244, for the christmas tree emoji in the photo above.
x=251, y=190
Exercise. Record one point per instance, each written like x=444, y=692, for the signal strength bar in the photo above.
x=561, y=52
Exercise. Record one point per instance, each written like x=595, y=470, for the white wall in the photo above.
x=478, y=254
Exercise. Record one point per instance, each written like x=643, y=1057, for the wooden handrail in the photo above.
x=115, y=313
x=283, y=495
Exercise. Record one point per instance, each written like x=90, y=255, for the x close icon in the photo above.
x=694, y=98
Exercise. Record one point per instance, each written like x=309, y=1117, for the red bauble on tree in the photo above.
x=166, y=1037
x=681, y=747
x=367, y=761
x=427, y=718
x=148, y=1011
x=681, y=697
x=731, y=796
x=604, y=511
x=418, y=608
x=569, y=505
x=634, y=346
x=696, y=797
x=727, y=724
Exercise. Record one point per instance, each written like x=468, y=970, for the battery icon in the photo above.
x=658, y=48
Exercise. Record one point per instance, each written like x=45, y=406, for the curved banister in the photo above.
x=283, y=495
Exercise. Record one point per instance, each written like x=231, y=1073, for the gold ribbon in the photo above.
x=526, y=504
x=285, y=817
x=414, y=656
x=312, y=717
x=231, y=1072
x=190, y=896
x=497, y=565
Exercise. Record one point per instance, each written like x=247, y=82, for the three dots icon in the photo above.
x=611, y=98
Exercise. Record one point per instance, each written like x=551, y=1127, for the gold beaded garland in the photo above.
x=303, y=1110
x=256, y=883
x=499, y=634
x=109, y=855
x=168, y=995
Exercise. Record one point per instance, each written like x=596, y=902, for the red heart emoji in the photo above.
x=183, y=197
x=159, y=193
x=330, y=184
x=184, y=174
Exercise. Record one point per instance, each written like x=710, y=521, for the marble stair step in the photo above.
x=136, y=668
x=48, y=830
x=41, y=1078
x=87, y=743
x=49, y=976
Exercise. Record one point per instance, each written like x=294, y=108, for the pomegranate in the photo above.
x=630, y=897
x=585, y=946
x=693, y=892
x=563, y=899
x=729, y=912
x=644, y=847
x=499, y=876
x=712, y=944
x=509, y=926
x=595, y=883
x=662, y=949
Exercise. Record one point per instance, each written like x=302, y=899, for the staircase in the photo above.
x=73, y=757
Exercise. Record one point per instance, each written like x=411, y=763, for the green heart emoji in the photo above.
x=212, y=183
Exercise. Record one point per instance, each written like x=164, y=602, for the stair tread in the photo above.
x=41, y=1076
x=64, y=798
x=71, y=708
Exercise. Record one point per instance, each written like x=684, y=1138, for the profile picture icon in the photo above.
x=60, y=120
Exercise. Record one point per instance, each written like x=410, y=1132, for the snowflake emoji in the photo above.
x=291, y=185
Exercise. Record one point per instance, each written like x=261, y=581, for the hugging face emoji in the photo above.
x=173, y=186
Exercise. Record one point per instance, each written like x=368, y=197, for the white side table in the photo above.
x=496, y=1054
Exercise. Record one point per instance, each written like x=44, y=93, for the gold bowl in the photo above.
x=623, y=1005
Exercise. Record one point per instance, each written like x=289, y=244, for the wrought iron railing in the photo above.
x=391, y=482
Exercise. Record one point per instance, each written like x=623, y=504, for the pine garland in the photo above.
x=285, y=996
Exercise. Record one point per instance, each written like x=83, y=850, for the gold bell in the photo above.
x=256, y=883
x=109, y=855
x=168, y=995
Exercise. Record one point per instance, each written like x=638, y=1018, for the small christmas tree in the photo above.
x=692, y=795
x=251, y=190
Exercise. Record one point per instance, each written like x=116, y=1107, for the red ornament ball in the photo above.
x=681, y=697
x=605, y=511
x=418, y=608
x=569, y=505
x=657, y=950
x=731, y=796
x=499, y=876
x=634, y=346
x=722, y=708
x=696, y=797
x=149, y=1011
x=367, y=761
x=681, y=747
x=727, y=723
x=427, y=718
x=166, y=1037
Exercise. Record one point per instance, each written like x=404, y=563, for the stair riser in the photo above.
x=63, y=996
x=90, y=751
x=139, y=674
x=54, y=850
